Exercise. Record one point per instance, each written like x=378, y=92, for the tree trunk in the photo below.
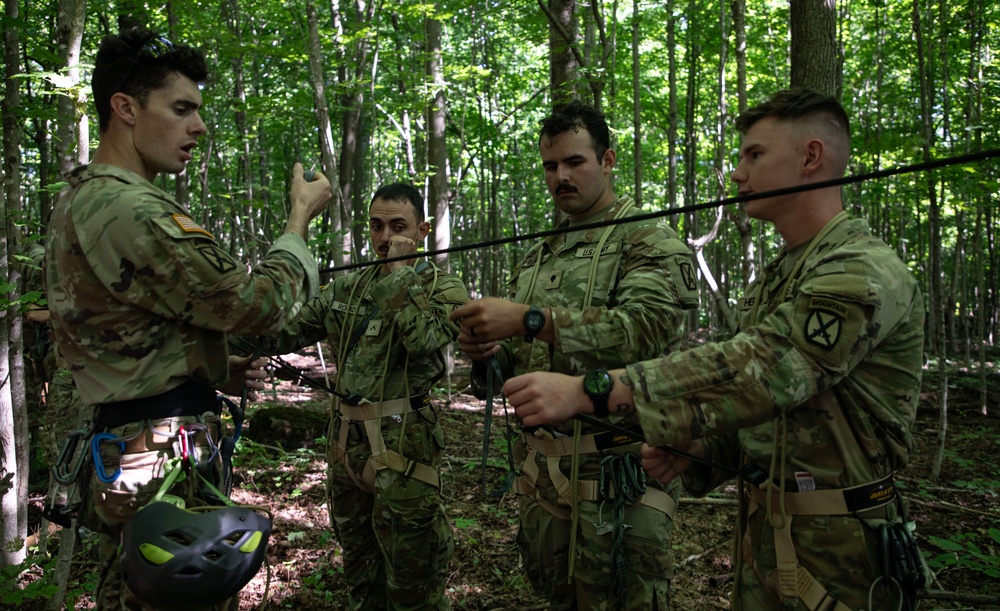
x=563, y=65
x=352, y=102
x=814, y=45
x=73, y=134
x=321, y=109
x=13, y=419
x=437, y=149
x=636, y=107
x=935, y=294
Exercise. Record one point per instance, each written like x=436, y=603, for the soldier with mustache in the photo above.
x=585, y=299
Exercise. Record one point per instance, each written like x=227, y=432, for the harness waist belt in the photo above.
x=589, y=444
x=393, y=407
x=189, y=399
x=839, y=501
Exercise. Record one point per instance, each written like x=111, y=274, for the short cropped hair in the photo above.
x=136, y=62
x=402, y=192
x=573, y=116
x=793, y=104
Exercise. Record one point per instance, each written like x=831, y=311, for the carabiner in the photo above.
x=66, y=470
x=95, y=450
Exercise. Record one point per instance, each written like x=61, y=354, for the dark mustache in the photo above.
x=565, y=189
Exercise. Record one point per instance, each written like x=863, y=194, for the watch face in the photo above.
x=597, y=382
x=534, y=320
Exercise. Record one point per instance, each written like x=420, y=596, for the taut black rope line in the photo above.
x=846, y=180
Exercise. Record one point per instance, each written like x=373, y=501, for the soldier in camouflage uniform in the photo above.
x=818, y=390
x=609, y=296
x=142, y=297
x=53, y=403
x=389, y=326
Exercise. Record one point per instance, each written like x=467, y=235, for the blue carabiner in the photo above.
x=95, y=450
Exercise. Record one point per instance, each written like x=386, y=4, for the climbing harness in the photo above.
x=353, y=412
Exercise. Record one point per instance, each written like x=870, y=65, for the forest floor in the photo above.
x=956, y=516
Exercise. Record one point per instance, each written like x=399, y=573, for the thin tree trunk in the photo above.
x=935, y=295
x=321, y=109
x=13, y=419
x=636, y=107
x=437, y=148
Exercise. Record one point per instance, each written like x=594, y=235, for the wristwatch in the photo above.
x=534, y=320
x=597, y=383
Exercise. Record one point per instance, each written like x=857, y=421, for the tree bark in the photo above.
x=636, y=107
x=437, y=148
x=938, y=347
x=814, y=46
x=321, y=108
x=563, y=65
x=13, y=419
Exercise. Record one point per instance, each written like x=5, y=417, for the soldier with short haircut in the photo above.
x=588, y=298
x=816, y=394
x=389, y=326
x=142, y=297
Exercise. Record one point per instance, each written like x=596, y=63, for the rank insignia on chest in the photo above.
x=822, y=326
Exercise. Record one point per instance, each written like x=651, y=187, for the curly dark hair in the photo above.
x=136, y=62
x=573, y=116
x=798, y=103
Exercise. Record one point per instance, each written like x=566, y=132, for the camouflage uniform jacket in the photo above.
x=142, y=297
x=644, y=281
x=832, y=346
x=399, y=353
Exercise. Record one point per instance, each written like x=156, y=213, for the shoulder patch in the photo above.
x=187, y=224
x=218, y=258
x=687, y=274
x=823, y=324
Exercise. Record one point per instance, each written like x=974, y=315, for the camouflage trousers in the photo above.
x=397, y=542
x=64, y=412
x=108, y=506
x=841, y=552
x=544, y=541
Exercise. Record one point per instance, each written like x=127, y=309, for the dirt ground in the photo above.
x=306, y=564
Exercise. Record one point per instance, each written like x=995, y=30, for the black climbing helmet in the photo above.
x=173, y=558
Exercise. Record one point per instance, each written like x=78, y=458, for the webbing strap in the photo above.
x=793, y=580
x=367, y=410
x=586, y=490
x=381, y=457
x=839, y=501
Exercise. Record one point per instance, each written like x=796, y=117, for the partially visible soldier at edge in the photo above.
x=142, y=297
x=54, y=407
x=815, y=396
x=588, y=299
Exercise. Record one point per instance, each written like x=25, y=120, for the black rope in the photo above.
x=846, y=180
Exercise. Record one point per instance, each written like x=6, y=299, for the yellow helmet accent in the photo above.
x=252, y=542
x=156, y=555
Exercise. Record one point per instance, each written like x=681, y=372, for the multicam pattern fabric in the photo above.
x=644, y=281
x=397, y=542
x=829, y=360
x=142, y=297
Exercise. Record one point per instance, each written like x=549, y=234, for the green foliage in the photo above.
x=16, y=591
x=962, y=550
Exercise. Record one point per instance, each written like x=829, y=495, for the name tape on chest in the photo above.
x=340, y=306
x=590, y=251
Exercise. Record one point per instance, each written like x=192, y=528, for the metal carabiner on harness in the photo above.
x=95, y=450
x=66, y=469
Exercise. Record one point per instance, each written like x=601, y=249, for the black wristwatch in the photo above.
x=597, y=383
x=534, y=320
